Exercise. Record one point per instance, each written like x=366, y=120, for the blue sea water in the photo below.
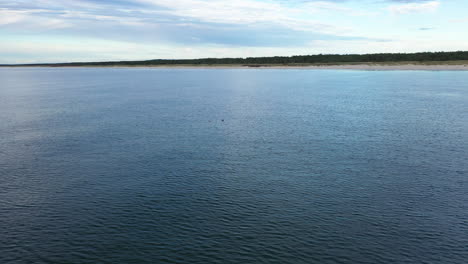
x=233, y=166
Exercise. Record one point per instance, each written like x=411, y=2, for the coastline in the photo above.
x=363, y=66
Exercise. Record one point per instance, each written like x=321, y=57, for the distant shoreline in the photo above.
x=451, y=60
x=448, y=60
x=356, y=66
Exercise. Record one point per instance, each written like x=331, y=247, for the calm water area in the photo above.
x=135, y=165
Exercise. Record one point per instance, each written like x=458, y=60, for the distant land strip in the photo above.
x=420, y=58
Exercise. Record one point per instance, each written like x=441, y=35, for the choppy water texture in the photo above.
x=138, y=166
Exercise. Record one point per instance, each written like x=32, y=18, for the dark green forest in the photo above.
x=292, y=60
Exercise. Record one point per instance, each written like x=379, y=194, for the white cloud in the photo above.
x=251, y=12
x=11, y=17
x=462, y=20
x=319, y=6
x=414, y=7
x=30, y=19
x=130, y=21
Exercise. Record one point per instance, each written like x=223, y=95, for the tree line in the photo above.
x=284, y=60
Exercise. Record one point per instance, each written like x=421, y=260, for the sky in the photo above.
x=34, y=31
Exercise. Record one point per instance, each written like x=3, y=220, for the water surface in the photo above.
x=233, y=166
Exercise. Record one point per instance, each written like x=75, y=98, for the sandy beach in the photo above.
x=361, y=67
x=405, y=67
x=364, y=67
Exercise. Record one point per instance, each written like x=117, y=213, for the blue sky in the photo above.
x=91, y=30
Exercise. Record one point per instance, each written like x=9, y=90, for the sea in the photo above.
x=154, y=165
